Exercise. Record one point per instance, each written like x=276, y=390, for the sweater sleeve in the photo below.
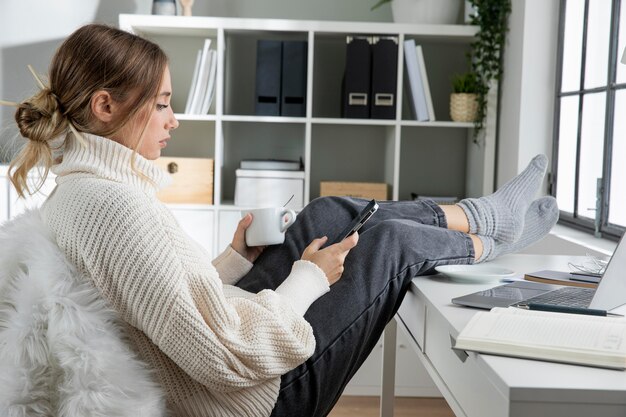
x=147, y=270
x=231, y=266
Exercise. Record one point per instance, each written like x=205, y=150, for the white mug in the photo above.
x=268, y=225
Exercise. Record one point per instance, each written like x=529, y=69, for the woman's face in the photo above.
x=161, y=121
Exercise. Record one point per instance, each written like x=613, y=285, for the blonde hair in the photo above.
x=93, y=58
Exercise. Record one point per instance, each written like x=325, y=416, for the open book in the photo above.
x=555, y=337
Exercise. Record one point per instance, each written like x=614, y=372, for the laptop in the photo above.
x=610, y=293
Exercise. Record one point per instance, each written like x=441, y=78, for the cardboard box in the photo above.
x=269, y=188
x=193, y=180
x=369, y=190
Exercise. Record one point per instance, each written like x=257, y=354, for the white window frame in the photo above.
x=600, y=225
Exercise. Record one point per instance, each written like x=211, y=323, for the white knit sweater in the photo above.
x=217, y=350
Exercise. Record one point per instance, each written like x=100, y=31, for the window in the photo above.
x=589, y=176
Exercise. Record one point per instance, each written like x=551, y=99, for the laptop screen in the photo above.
x=611, y=292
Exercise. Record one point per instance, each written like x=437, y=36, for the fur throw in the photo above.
x=62, y=350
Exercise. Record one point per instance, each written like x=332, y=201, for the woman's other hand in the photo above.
x=239, y=240
x=330, y=259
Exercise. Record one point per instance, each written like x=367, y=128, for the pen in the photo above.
x=566, y=309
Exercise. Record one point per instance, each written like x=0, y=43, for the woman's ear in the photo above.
x=103, y=106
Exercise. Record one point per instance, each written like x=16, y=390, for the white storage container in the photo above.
x=265, y=188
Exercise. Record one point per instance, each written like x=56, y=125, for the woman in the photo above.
x=254, y=332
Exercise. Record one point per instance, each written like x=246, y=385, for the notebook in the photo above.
x=611, y=291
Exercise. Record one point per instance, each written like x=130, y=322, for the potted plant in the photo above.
x=464, y=99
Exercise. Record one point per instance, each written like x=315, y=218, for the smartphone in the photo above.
x=358, y=221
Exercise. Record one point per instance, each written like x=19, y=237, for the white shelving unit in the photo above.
x=428, y=158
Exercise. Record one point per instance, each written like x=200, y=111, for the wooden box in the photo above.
x=369, y=190
x=193, y=180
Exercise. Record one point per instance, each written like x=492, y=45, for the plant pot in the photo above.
x=463, y=107
x=442, y=12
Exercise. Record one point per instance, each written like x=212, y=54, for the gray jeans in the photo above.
x=403, y=239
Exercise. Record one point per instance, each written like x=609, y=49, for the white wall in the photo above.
x=528, y=86
x=31, y=30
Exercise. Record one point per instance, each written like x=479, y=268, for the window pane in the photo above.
x=597, y=56
x=572, y=45
x=591, y=150
x=617, y=193
x=621, y=68
x=568, y=131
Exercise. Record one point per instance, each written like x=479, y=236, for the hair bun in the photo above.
x=40, y=118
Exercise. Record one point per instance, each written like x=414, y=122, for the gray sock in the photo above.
x=501, y=214
x=540, y=217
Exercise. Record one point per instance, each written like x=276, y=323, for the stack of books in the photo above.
x=575, y=279
x=202, y=87
x=420, y=98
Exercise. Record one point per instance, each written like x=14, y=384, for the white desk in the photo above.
x=476, y=385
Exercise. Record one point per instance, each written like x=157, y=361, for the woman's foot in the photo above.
x=539, y=220
x=501, y=214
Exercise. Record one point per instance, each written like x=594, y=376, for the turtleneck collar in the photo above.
x=105, y=158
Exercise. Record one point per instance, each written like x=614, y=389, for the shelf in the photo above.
x=229, y=205
x=326, y=121
x=382, y=122
x=263, y=119
x=167, y=25
x=205, y=26
x=196, y=117
x=445, y=123
x=360, y=122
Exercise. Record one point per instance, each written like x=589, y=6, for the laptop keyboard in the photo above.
x=507, y=292
x=566, y=296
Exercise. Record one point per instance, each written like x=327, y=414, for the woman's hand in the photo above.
x=239, y=240
x=330, y=259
